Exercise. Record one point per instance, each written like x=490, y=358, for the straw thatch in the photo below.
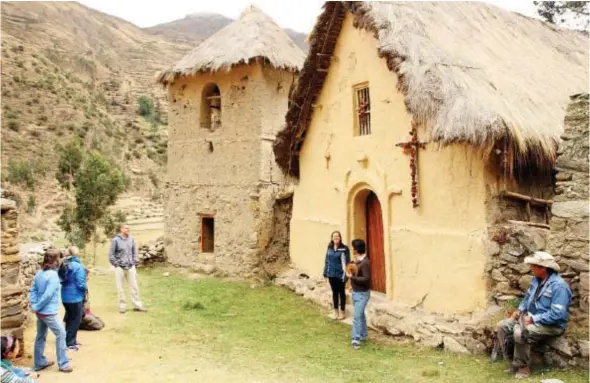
x=470, y=72
x=254, y=36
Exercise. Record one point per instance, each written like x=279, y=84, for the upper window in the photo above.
x=362, y=105
x=211, y=107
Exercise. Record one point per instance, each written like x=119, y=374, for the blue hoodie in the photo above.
x=73, y=287
x=45, y=293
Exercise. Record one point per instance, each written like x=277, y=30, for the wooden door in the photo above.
x=375, y=246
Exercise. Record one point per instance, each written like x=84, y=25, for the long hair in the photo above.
x=51, y=259
x=331, y=244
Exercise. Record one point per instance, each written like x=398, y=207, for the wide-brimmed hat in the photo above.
x=543, y=259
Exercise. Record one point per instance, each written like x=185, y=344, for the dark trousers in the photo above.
x=338, y=293
x=72, y=319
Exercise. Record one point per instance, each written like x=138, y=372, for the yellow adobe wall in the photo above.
x=435, y=252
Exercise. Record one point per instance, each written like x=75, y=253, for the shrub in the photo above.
x=13, y=125
x=42, y=118
x=146, y=106
x=31, y=204
x=136, y=154
x=22, y=173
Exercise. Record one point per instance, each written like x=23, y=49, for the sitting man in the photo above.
x=542, y=314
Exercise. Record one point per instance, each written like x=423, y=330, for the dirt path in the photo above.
x=111, y=355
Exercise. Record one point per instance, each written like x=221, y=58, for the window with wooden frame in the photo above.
x=211, y=107
x=362, y=107
x=207, y=234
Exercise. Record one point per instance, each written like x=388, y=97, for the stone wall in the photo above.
x=153, y=252
x=569, y=225
x=13, y=316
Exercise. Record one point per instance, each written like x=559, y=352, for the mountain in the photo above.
x=199, y=26
x=67, y=71
x=71, y=71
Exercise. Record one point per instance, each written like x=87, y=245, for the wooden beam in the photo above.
x=533, y=224
x=522, y=197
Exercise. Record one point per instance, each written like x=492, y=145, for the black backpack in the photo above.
x=63, y=270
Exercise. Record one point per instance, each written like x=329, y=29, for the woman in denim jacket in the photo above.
x=337, y=258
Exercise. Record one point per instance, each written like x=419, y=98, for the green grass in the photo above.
x=271, y=332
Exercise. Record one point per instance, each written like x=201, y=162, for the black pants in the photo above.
x=73, y=318
x=338, y=293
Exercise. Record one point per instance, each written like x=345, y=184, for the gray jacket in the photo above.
x=123, y=252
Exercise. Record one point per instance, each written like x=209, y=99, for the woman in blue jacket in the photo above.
x=73, y=290
x=337, y=258
x=45, y=297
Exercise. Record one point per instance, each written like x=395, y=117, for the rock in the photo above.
x=560, y=344
x=515, y=251
x=505, y=288
x=452, y=345
x=509, y=258
x=570, y=209
x=474, y=346
x=433, y=341
x=166, y=274
x=492, y=248
x=579, y=266
x=521, y=268
x=583, y=345
x=208, y=269
x=551, y=381
x=497, y=276
x=524, y=282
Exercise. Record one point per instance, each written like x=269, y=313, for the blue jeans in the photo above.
x=54, y=324
x=359, y=321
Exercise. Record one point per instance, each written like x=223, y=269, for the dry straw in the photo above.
x=470, y=71
x=254, y=36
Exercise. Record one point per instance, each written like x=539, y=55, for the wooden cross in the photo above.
x=411, y=148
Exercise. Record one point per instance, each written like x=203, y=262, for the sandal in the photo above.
x=49, y=364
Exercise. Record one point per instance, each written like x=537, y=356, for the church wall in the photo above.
x=435, y=254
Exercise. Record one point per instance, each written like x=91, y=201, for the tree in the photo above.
x=69, y=163
x=97, y=184
x=146, y=106
x=112, y=222
x=574, y=13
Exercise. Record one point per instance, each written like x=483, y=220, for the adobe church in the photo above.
x=418, y=126
x=228, y=98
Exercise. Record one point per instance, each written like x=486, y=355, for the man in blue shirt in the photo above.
x=542, y=314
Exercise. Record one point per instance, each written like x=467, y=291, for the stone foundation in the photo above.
x=469, y=334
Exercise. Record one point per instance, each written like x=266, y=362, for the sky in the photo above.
x=299, y=15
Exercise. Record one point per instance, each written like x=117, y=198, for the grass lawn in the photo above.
x=272, y=333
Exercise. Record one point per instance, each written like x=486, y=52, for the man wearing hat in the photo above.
x=542, y=314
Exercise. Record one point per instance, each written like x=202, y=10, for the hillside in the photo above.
x=67, y=71
x=199, y=26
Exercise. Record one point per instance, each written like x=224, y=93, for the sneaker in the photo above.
x=73, y=348
x=356, y=345
x=49, y=364
x=140, y=309
x=66, y=369
x=122, y=311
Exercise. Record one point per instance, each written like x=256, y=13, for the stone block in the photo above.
x=509, y=258
x=583, y=346
x=524, y=282
x=452, y=345
x=579, y=266
x=12, y=321
x=498, y=276
x=571, y=209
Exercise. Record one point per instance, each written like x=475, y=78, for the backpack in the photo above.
x=63, y=271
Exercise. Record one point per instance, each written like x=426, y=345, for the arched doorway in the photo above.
x=367, y=224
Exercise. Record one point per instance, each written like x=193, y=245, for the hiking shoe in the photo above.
x=511, y=370
x=140, y=309
x=66, y=369
x=49, y=364
x=523, y=373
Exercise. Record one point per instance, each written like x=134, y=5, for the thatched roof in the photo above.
x=471, y=72
x=254, y=36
